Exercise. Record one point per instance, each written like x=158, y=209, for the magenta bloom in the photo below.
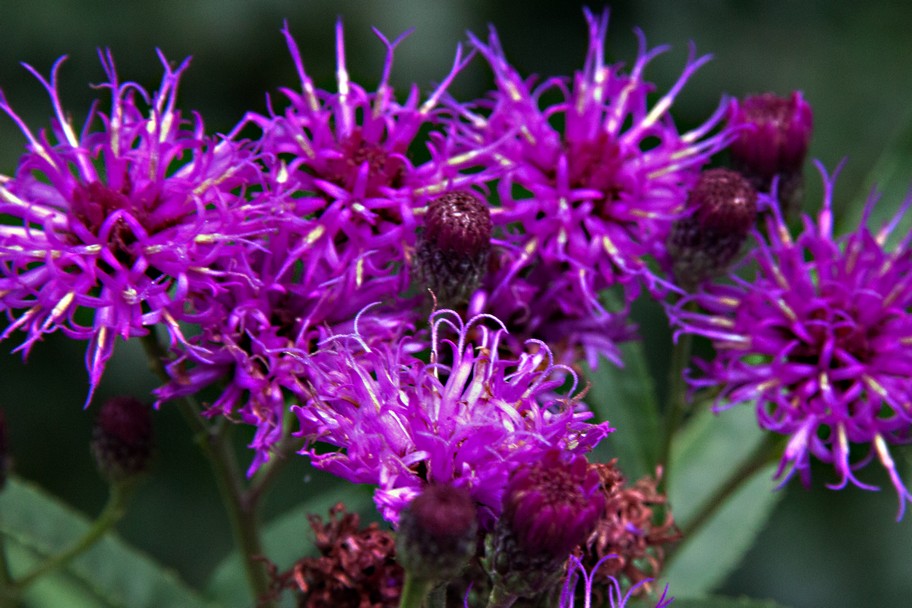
x=112, y=226
x=616, y=597
x=819, y=339
x=468, y=418
x=593, y=176
x=345, y=156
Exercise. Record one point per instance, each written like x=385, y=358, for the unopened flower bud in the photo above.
x=452, y=250
x=122, y=438
x=773, y=134
x=437, y=533
x=721, y=209
x=550, y=508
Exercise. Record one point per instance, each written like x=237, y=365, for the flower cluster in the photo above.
x=817, y=339
x=469, y=417
x=590, y=186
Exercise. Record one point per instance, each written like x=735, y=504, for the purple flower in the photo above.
x=345, y=156
x=467, y=418
x=616, y=598
x=343, y=198
x=112, y=226
x=819, y=338
x=592, y=177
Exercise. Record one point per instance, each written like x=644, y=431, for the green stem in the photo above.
x=501, y=598
x=114, y=510
x=438, y=596
x=766, y=452
x=414, y=592
x=677, y=402
x=214, y=443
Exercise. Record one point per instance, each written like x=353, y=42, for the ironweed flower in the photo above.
x=467, y=418
x=346, y=157
x=109, y=228
x=592, y=177
x=818, y=338
x=616, y=597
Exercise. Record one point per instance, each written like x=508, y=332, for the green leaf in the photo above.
x=718, y=601
x=708, y=452
x=626, y=397
x=111, y=573
x=286, y=539
x=892, y=178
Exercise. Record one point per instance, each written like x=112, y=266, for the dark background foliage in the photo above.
x=821, y=548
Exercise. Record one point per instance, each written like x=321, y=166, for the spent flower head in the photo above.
x=818, y=338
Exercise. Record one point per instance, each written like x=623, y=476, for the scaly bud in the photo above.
x=550, y=508
x=721, y=209
x=452, y=251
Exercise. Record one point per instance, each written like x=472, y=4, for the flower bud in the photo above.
x=452, y=250
x=355, y=565
x=721, y=209
x=629, y=541
x=773, y=134
x=437, y=533
x=550, y=508
x=122, y=438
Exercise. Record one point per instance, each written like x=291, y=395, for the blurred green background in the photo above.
x=821, y=548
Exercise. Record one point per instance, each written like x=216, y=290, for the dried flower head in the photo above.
x=629, y=541
x=722, y=208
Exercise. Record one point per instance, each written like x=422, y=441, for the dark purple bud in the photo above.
x=452, y=250
x=437, y=533
x=773, y=134
x=721, y=210
x=772, y=138
x=553, y=506
x=122, y=438
x=550, y=508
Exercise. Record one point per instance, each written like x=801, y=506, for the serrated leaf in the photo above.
x=111, y=573
x=707, y=452
x=626, y=397
x=286, y=539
